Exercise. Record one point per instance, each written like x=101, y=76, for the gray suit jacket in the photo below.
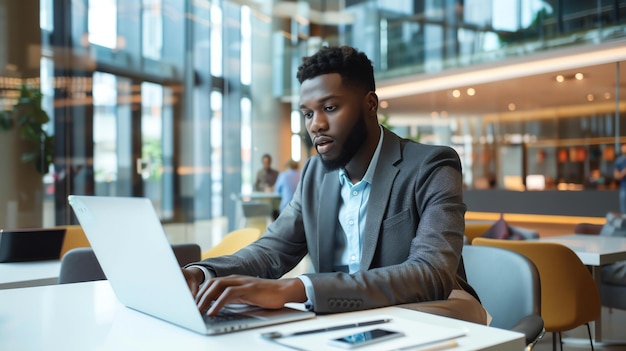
x=412, y=239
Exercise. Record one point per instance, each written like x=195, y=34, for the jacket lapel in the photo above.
x=380, y=194
x=327, y=221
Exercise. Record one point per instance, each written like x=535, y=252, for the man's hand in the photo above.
x=194, y=277
x=266, y=293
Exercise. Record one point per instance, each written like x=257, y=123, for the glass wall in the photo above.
x=177, y=100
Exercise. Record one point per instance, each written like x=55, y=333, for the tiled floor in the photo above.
x=613, y=329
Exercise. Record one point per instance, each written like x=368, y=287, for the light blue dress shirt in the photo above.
x=352, y=215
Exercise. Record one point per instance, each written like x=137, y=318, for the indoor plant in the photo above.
x=30, y=120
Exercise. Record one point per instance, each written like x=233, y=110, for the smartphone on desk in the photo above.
x=365, y=338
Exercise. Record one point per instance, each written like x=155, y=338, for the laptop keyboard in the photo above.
x=226, y=316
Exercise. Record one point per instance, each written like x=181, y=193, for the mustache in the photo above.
x=321, y=139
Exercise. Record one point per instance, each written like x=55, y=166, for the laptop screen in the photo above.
x=20, y=245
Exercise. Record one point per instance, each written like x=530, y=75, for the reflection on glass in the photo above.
x=246, y=146
x=104, y=133
x=216, y=39
x=102, y=23
x=150, y=165
x=216, y=154
x=152, y=22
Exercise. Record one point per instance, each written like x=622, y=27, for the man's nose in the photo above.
x=319, y=122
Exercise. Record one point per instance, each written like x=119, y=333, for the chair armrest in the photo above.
x=531, y=326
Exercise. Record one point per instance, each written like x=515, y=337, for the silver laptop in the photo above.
x=126, y=236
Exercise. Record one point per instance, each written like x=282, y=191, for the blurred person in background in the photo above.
x=287, y=182
x=266, y=177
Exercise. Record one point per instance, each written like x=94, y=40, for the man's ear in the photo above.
x=372, y=101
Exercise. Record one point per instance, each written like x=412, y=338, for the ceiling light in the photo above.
x=456, y=93
x=579, y=76
x=471, y=92
x=560, y=78
x=607, y=95
x=512, y=107
x=384, y=104
x=590, y=97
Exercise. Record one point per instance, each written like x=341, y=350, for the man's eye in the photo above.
x=330, y=108
x=307, y=115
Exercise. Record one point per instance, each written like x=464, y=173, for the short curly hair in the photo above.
x=352, y=65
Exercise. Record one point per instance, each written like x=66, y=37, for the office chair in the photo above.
x=476, y=229
x=509, y=288
x=569, y=297
x=232, y=242
x=81, y=265
x=187, y=253
x=74, y=237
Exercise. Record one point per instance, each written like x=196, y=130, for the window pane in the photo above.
x=152, y=22
x=102, y=23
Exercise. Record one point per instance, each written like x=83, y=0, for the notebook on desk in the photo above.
x=132, y=248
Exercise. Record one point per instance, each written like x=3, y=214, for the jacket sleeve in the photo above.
x=418, y=247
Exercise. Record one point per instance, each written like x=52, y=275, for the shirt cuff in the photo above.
x=207, y=273
x=308, y=290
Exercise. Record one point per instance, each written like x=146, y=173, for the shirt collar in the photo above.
x=369, y=174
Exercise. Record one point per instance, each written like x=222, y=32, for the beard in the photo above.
x=352, y=144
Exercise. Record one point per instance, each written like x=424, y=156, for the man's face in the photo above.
x=335, y=118
x=266, y=162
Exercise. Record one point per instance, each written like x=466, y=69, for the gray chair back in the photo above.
x=506, y=282
x=186, y=253
x=81, y=264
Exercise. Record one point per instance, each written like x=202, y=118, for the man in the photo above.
x=381, y=217
x=287, y=182
x=266, y=177
x=619, y=173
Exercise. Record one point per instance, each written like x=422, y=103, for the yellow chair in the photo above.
x=476, y=229
x=569, y=297
x=232, y=242
x=74, y=237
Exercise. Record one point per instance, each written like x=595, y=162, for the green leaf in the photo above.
x=29, y=118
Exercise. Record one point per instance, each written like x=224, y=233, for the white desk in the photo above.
x=270, y=197
x=260, y=195
x=87, y=316
x=27, y=274
x=594, y=251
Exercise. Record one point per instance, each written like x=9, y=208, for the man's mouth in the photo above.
x=323, y=144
